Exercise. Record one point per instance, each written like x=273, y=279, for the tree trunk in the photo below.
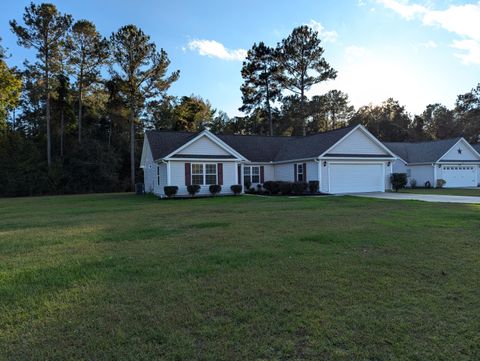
x=269, y=110
x=80, y=88
x=132, y=145
x=304, y=120
x=47, y=87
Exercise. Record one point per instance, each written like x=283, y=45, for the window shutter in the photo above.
x=220, y=173
x=305, y=172
x=262, y=174
x=239, y=174
x=295, y=172
x=188, y=178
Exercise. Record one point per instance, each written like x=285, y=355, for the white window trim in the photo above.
x=204, y=173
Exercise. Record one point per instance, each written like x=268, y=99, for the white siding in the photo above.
x=357, y=143
x=399, y=166
x=466, y=154
x=422, y=174
x=177, y=177
x=284, y=172
x=204, y=146
x=149, y=169
x=324, y=185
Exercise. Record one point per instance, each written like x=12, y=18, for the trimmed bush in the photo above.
x=215, y=189
x=313, y=186
x=193, y=189
x=398, y=180
x=441, y=183
x=272, y=187
x=236, y=189
x=285, y=187
x=428, y=184
x=298, y=188
x=170, y=191
x=247, y=184
x=413, y=183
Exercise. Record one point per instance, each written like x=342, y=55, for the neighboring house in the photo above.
x=343, y=161
x=453, y=160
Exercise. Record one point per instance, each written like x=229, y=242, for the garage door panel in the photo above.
x=458, y=176
x=355, y=178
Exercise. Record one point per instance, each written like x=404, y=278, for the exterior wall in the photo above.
x=177, y=177
x=268, y=169
x=324, y=184
x=203, y=146
x=422, y=174
x=150, y=177
x=357, y=143
x=285, y=171
x=466, y=154
x=399, y=166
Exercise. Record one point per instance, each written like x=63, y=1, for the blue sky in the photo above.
x=415, y=51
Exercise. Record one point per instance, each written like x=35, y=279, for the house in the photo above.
x=343, y=161
x=453, y=160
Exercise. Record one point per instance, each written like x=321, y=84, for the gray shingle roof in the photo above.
x=255, y=148
x=477, y=147
x=423, y=152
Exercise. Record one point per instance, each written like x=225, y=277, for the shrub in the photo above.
x=285, y=187
x=236, y=189
x=313, y=186
x=259, y=188
x=272, y=187
x=193, y=189
x=413, y=183
x=170, y=191
x=441, y=183
x=428, y=184
x=399, y=181
x=247, y=184
x=299, y=188
x=215, y=189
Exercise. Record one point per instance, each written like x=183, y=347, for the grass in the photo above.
x=121, y=277
x=475, y=192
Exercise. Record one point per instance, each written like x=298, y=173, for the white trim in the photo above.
x=223, y=160
x=293, y=161
x=453, y=146
x=214, y=139
x=370, y=135
x=169, y=174
x=360, y=159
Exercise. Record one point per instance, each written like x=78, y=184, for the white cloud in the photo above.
x=462, y=20
x=429, y=44
x=325, y=35
x=471, y=48
x=353, y=52
x=404, y=9
x=214, y=49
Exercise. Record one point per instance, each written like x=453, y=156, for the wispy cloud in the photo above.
x=461, y=20
x=325, y=35
x=214, y=49
x=429, y=44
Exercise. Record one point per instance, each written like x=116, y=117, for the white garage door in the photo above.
x=459, y=176
x=356, y=178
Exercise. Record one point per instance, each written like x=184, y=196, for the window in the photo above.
x=300, y=173
x=204, y=174
x=251, y=174
x=409, y=172
x=197, y=173
x=210, y=174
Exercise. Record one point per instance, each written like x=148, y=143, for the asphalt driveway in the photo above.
x=420, y=197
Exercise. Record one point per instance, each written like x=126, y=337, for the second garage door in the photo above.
x=459, y=176
x=356, y=178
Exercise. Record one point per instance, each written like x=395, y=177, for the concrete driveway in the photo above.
x=420, y=197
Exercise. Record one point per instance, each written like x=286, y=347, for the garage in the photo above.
x=356, y=177
x=458, y=176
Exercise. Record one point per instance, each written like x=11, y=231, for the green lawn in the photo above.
x=122, y=277
x=445, y=191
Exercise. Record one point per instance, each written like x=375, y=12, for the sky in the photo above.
x=418, y=52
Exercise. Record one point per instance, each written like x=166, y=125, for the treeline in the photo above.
x=73, y=120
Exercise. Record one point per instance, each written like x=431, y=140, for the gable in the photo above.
x=460, y=151
x=358, y=142
x=146, y=153
x=203, y=146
